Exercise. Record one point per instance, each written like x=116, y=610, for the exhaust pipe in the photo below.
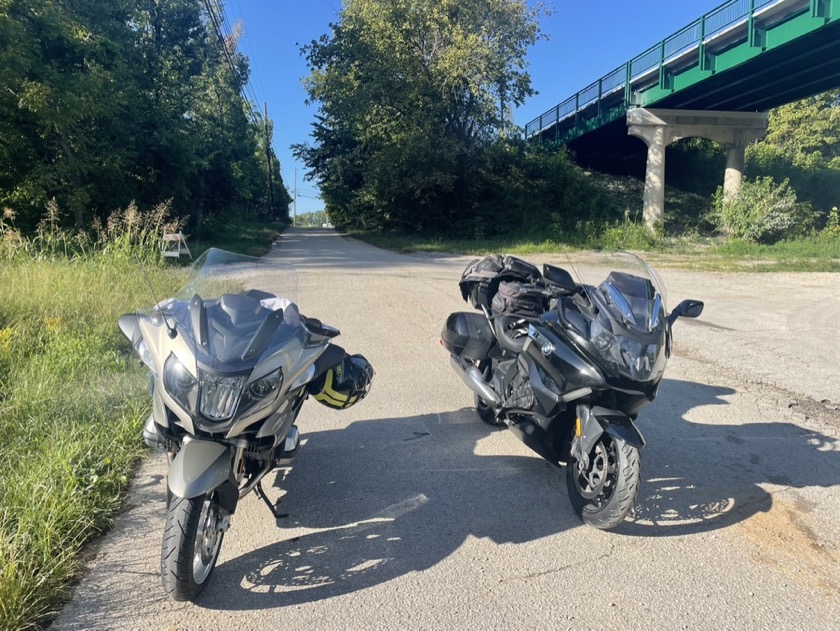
x=475, y=382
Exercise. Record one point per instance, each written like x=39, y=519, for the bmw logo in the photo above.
x=547, y=348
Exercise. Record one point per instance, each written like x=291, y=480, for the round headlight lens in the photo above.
x=269, y=384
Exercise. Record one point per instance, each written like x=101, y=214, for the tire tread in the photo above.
x=624, y=499
x=176, y=555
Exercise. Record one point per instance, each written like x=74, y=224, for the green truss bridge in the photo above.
x=745, y=55
x=714, y=78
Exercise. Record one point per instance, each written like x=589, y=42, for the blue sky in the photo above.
x=586, y=40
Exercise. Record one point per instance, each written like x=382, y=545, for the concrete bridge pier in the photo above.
x=735, y=157
x=659, y=128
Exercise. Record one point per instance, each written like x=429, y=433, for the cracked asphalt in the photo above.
x=407, y=512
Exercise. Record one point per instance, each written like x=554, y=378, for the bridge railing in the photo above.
x=713, y=24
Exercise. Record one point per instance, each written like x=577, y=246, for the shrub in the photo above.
x=628, y=235
x=832, y=226
x=763, y=212
x=815, y=178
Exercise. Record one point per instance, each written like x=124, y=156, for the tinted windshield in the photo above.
x=625, y=285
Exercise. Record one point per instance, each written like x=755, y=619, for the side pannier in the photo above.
x=481, y=278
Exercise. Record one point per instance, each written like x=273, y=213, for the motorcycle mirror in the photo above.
x=130, y=328
x=559, y=277
x=686, y=309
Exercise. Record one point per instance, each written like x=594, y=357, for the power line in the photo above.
x=254, y=94
x=255, y=78
x=240, y=84
x=217, y=21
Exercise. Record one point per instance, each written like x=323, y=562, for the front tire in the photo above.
x=192, y=539
x=604, y=492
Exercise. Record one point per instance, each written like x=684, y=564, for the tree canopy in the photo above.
x=411, y=95
x=109, y=101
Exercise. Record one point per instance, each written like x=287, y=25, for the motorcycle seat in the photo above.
x=510, y=332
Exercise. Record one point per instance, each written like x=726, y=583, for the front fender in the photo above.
x=598, y=420
x=199, y=467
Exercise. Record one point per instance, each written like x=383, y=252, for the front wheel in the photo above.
x=192, y=539
x=604, y=490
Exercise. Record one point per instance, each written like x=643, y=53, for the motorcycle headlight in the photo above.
x=601, y=337
x=180, y=384
x=220, y=396
x=268, y=385
x=629, y=357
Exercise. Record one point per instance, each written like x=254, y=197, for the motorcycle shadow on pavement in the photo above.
x=700, y=474
x=377, y=500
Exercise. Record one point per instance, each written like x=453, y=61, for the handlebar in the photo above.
x=547, y=290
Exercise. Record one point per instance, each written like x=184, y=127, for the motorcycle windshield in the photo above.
x=233, y=308
x=217, y=272
x=626, y=285
x=628, y=297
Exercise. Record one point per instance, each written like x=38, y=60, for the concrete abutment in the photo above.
x=659, y=128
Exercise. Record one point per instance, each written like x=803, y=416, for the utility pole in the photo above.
x=268, y=161
x=294, y=221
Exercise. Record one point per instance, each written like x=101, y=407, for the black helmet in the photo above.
x=344, y=384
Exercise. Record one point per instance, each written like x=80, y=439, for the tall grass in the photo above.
x=72, y=397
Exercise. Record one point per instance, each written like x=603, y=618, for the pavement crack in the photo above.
x=531, y=575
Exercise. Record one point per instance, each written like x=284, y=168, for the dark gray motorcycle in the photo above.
x=568, y=365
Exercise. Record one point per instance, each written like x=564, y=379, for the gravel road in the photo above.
x=407, y=512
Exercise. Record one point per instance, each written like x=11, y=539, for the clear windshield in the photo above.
x=238, y=295
x=218, y=272
x=624, y=283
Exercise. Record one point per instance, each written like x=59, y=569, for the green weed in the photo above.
x=72, y=399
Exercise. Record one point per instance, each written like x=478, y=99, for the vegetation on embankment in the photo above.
x=73, y=397
x=690, y=241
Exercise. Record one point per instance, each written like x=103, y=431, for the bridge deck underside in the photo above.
x=799, y=69
x=794, y=71
x=794, y=66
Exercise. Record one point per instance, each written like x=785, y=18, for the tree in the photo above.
x=808, y=126
x=109, y=101
x=410, y=94
x=803, y=145
x=64, y=68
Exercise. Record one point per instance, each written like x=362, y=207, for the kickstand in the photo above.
x=274, y=508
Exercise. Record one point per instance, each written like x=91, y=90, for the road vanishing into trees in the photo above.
x=407, y=512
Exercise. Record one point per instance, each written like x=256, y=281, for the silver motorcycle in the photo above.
x=229, y=375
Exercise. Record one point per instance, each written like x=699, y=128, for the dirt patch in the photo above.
x=784, y=539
